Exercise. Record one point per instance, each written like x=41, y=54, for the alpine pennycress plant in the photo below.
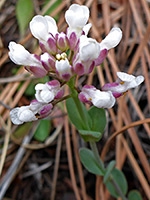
x=66, y=55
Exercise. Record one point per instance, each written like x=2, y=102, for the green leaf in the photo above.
x=88, y=160
x=43, y=130
x=90, y=135
x=74, y=115
x=134, y=195
x=22, y=130
x=109, y=169
x=24, y=13
x=98, y=119
x=120, y=179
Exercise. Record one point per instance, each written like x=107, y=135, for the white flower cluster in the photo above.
x=65, y=55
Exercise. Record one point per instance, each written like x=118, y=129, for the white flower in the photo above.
x=63, y=68
x=128, y=81
x=20, y=56
x=112, y=39
x=77, y=17
x=98, y=98
x=21, y=115
x=33, y=112
x=46, y=93
x=89, y=49
x=123, y=83
x=42, y=26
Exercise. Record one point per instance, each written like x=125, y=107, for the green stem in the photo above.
x=74, y=95
x=96, y=154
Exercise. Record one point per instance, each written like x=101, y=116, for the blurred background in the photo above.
x=40, y=160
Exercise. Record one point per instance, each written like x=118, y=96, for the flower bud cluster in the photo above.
x=63, y=56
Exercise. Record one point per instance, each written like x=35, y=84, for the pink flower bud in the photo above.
x=62, y=41
x=52, y=47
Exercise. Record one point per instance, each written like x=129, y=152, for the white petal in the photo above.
x=125, y=77
x=14, y=116
x=112, y=39
x=86, y=28
x=77, y=16
x=39, y=28
x=20, y=56
x=52, y=26
x=47, y=96
x=63, y=66
x=89, y=48
x=139, y=79
x=35, y=106
x=26, y=116
x=40, y=86
x=103, y=99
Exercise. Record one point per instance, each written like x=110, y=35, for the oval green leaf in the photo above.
x=90, y=135
x=43, y=130
x=134, y=195
x=74, y=115
x=120, y=179
x=98, y=119
x=88, y=160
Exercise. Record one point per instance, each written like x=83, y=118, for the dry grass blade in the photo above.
x=133, y=124
x=57, y=159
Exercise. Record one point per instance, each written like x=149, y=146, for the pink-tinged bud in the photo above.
x=64, y=69
x=59, y=94
x=48, y=61
x=79, y=69
x=101, y=57
x=62, y=42
x=43, y=47
x=111, y=87
x=52, y=47
x=36, y=71
x=82, y=68
x=91, y=67
x=46, y=110
x=73, y=40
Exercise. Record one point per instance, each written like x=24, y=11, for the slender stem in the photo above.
x=62, y=99
x=96, y=154
x=118, y=190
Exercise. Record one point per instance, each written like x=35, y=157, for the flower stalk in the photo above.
x=93, y=143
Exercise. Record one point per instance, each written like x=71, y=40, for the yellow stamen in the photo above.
x=122, y=82
x=58, y=56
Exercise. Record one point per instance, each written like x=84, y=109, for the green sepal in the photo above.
x=109, y=169
x=90, y=135
x=134, y=195
x=89, y=162
x=120, y=179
